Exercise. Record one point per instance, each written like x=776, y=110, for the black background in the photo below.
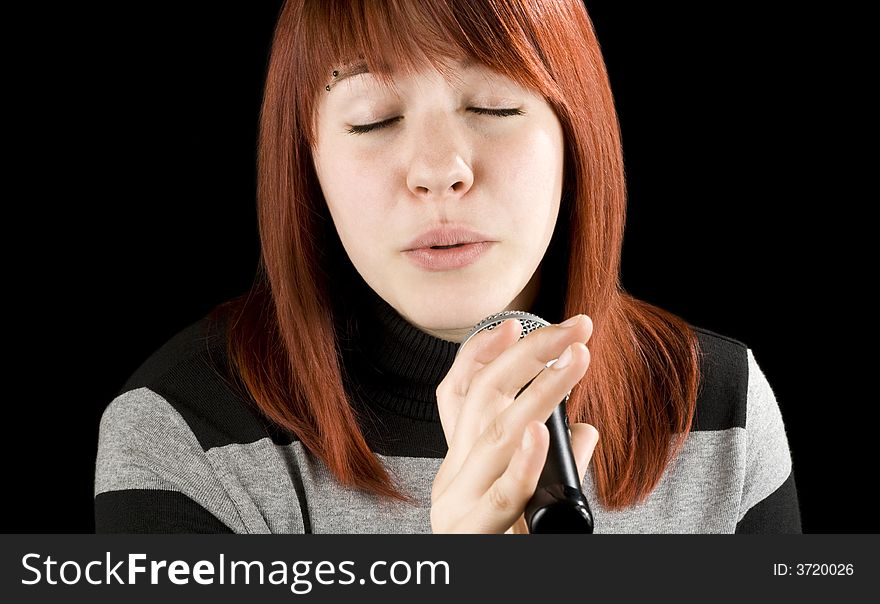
x=136, y=215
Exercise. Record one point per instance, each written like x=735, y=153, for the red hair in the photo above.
x=641, y=387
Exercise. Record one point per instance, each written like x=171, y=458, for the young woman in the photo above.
x=423, y=165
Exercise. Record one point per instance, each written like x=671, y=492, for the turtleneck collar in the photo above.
x=394, y=364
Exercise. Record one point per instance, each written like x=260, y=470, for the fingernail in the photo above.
x=564, y=359
x=571, y=322
x=527, y=440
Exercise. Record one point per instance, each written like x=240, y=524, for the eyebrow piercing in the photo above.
x=335, y=74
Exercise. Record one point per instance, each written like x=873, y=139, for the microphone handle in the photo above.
x=558, y=504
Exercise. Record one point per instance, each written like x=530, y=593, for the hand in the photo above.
x=487, y=477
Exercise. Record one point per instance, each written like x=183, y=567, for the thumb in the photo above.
x=584, y=438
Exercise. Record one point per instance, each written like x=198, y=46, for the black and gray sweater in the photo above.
x=179, y=451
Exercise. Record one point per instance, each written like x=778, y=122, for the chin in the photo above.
x=461, y=311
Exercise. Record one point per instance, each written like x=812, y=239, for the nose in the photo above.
x=438, y=167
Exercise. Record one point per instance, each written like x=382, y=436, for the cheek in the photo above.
x=358, y=228
x=358, y=221
x=352, y=190
x=530, y=162
x=529, y=179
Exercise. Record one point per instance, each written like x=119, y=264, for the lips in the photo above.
x=447, y=237
x=436, y=259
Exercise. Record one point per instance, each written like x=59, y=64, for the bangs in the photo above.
x=402, y=39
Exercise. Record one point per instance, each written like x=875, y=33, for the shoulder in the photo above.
x=722, y=397
x=734, y=390
x=735, y=395
x=189, y=376
x=185, y=352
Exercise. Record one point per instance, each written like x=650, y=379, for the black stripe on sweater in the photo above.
x=152, y=511
x=777, y=513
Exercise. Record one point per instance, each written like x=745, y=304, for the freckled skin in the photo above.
x=500, y=175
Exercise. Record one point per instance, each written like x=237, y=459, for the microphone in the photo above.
x=558, y=504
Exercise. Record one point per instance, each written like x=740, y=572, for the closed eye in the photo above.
x=379, y=125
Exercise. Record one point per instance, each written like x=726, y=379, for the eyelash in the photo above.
x=479, y=110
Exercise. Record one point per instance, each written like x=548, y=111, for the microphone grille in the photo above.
x=529, y=322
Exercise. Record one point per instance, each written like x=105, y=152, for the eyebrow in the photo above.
x=353, y=71
x=360, y=68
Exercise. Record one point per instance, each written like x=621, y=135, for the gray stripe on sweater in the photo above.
x=769, y=457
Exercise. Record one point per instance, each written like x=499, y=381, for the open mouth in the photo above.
x=446, y=247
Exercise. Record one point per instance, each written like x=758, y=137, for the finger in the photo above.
x=488, y=456
x=503, y=503
x=481, y=349
x=506, y=376
x=515, y=367
x=496, y=385
x=584, y=438
x=519, y=527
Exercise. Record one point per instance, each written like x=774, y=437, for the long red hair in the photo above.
x=641, y=387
